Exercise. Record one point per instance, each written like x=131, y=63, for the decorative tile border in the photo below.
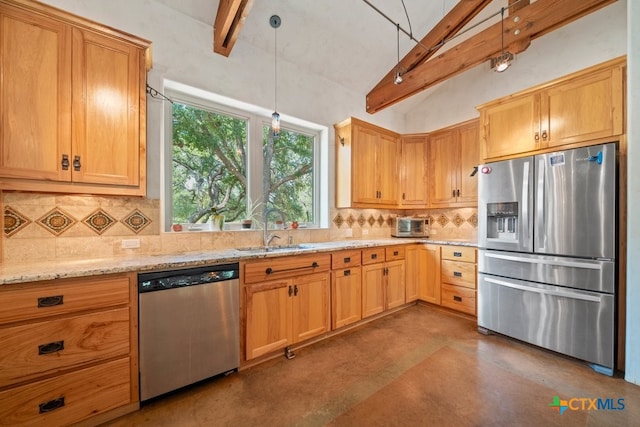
x=14, y=221
x=56, y=221
x=99, y=221
x=453, y=217
x=136, y=221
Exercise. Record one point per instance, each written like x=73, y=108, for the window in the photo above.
x=225, y=160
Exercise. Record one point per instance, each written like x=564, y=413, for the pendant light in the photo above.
x=275, y=22
x=502, y=62
x=398, y=75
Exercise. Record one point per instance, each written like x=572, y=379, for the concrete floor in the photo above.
x=420, y=366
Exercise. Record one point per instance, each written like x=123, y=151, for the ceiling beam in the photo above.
x=463, y=12
x=535, y=20
x=229, y=20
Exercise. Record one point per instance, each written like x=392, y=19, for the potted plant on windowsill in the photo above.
x=217, y=218
x=251, y=214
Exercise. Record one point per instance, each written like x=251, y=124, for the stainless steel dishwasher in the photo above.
x=189, y=327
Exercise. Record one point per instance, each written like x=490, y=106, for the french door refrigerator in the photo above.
x=547, y=248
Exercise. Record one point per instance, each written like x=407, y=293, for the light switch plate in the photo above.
x=130, y=243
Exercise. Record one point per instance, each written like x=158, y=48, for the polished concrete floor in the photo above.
x=420, y=366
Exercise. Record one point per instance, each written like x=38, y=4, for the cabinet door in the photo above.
x=35, y=96
x=469, y=154
x=583, y=109
x=415, y=270
x=106, y=110
x=510, y=127
x=395, y=293
x=372, y=289
x=268, y=320
x=387, y=170
x=346, y=296
x=311, y=306
x=430, y=286
x=364, y=179
x=413, y=174
x=443, y=167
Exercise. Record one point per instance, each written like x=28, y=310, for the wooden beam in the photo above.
x=229, y=20
x=535, y=20
x=453, y=22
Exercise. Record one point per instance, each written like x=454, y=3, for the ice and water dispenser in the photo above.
x=502, y=220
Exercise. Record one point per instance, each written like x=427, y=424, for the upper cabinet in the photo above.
x=366, y=165
x=453, y=157
x=72, y=103
x=413, y=172
x=583, y=107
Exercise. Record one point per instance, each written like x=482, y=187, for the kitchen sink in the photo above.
x=272, y=248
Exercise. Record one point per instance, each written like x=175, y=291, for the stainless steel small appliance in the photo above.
x=189, y=327
x=546, y=265
x=409, y=227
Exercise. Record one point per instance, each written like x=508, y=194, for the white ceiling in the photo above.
x=345, y=41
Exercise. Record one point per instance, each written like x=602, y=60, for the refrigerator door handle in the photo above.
x=540, y=220
x=561, y=263
x=566, y=294
x=524, y=224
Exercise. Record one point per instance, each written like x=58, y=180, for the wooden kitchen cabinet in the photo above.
x=366, y=165
x=423, y=273
x=73, y=101
x=413, y=171
x=346, y=288
x=383, y=279
x=453, y=155
x=290, y=308
x=458, y=278
x=69, y=350
x=584, y=107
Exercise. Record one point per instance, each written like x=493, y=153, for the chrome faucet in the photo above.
x=269, y=237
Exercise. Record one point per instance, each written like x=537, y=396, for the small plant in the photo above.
x=217, y=217
x=251, y=213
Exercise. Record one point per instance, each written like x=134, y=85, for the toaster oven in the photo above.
x=409, y=227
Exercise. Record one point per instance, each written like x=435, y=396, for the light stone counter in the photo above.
x=21, y=273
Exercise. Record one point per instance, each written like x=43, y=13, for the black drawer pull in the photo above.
x=347, y=272
x=457, y=298
x=270, y=270
x=347, y=259
x=395, y=253
x=51, y=347
x=51, y=405
x=457, y=254
x=374, y=256
x=50, y=301
x=457, y=274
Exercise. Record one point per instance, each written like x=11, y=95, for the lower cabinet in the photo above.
x=69, y=350
x=458, y=276
x=286, y=311
x=383, y=283
x=423, y=273
x=346, y=288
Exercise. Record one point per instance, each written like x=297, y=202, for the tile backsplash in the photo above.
x=49, y=227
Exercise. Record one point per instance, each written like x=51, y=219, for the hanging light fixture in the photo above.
x=398, y=75
x=503, y=61
x=275, y=22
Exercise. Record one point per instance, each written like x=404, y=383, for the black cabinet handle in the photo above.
x=347, y=259
x=457, y=298
x=52, y=347
x=395, y=253
x=65, y=162
x=374, y=256
x=51, y=405
x=347, y=272
x=457, y=274
x=50, y=301
x=76, y=163
x=458, y=193
x=457, y=254
x=290, y=290
x=270, y=270
x=295, y=290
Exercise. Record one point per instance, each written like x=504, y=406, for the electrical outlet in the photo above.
x=365, y=231
x=348, y=232
x=130, y=243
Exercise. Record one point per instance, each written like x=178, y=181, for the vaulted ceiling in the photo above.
x=350, y=43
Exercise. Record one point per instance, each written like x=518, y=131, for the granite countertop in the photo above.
x=31, y=272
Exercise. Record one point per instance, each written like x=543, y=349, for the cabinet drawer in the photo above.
x=68, y=398
x=289, y=266
x=458, y=273
x=372, y=255
x=344, y=259
x=43, y=348
x=394, y=252
x=459, y=253
x=37, y=300
x=459, y=298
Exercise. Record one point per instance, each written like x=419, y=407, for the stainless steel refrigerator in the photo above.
x=547, y=260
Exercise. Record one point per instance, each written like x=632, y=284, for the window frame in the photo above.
x=256, y=118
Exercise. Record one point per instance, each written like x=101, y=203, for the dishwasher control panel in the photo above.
x=149, y=282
